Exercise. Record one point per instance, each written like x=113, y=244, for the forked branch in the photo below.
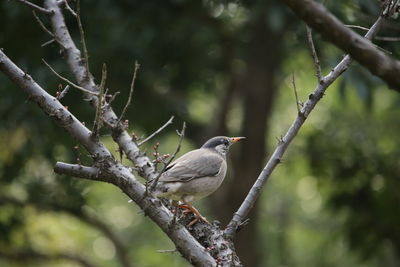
x=358, y=47
x=275, y=159
x=110, y=170
x=34, y=6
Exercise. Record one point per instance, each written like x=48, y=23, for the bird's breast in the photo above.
x=202, y=187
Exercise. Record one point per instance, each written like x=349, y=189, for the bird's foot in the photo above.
x=190, y=209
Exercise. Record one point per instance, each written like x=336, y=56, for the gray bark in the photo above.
x=358, y=47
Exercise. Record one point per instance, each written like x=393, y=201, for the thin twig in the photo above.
x=68, y=81
x=67, y=7
x=63, y=93
x=178, y=148
x=381, y=38
x=137, y=66
x=387, y=38
x=156, y=132
x=167, y=251
x=35, y=7
x=113, y=98
x=42, y=25
x=47, y=31
x=73, y=58
x=291, y=133
x=48, y=42
x=295, y=93
x=188, y=246
x=97, y=119
x=357, y=27
x=314, y=54
x=82, y=35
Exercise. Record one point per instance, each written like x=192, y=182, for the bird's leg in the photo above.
x=175, y=206
x=189, y=208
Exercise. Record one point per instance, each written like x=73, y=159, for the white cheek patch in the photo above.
x=221, y=149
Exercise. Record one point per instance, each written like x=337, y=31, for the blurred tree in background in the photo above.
x=224, y=67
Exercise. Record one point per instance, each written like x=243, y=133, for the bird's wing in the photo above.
x=194, y=164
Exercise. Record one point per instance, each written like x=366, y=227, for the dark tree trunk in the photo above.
x=257, y=87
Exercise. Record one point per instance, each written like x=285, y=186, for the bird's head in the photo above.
x=221, y=143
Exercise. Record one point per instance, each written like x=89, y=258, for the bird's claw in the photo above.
x=190, y=209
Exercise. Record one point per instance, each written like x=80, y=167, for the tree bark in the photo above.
x=358, y=47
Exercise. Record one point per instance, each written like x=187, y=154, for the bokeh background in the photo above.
x=224, y=67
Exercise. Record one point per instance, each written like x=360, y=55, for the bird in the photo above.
x=196, y=174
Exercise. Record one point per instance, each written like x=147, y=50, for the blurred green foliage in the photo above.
x=332, y=203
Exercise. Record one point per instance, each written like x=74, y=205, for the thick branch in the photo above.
x=284, y=142
x=119, y=175
x=73, y=55
x=52, y=107
x=85, y=79
x=359, y=48
x=89, y=173
x=153, y=207
x=111, y=171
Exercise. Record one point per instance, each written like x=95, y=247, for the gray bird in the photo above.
x=196, y=174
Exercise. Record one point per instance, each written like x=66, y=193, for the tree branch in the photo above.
x=156, y=132
x=358, y=47
x=110, y=170
x=284, y=142
x=295, y=93
x=137, y=66
x=89, y=173
x=181, y=136
x=52, y=107
x=314, y=54
x=68, y=7
x=34, y=6
x=73, y=57
x=82, y=35
x=41, y=24
x=98, y=117
x=117, y=174
x=68, y=81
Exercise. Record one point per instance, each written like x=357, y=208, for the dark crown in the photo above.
x=215, y=141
